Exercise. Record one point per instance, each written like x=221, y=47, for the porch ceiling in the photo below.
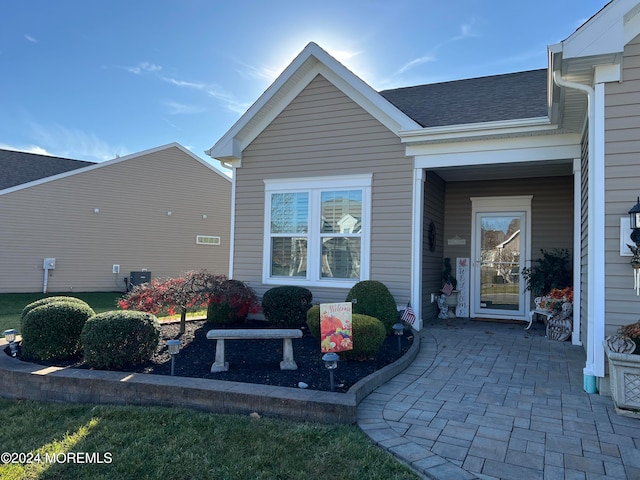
x=505, y=171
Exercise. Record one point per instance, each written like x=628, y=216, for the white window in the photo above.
x=316, y=231
x=207, y=240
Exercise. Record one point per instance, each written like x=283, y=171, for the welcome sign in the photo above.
x=335, y=327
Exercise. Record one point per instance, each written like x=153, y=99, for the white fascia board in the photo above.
x=472, y=130
x=311, y=62
x=608, y=31
x=509, y=150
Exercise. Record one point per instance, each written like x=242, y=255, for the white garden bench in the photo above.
x=287, y=363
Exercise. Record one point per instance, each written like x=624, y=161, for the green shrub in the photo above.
x=47, y=300
x=286, y=306
x=232, y=303
x=115, y=339
x=374, y=299
x=368, y=334
x=52, y=330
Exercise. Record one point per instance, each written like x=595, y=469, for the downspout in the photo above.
x=595, y=269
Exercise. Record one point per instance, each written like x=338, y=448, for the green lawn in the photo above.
x=170, y=443
x=11, y=305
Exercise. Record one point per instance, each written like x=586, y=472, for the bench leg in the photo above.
x=287, y=363
x=219, y=365
x=531, y=314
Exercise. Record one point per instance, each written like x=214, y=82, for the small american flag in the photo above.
x=448, y=288
x=408, y=316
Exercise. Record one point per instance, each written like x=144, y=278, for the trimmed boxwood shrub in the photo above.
x=52, y=330
x=47, y=300
x=374, y=299
x=286, y=306
x=116, y=339
x=368, y=334
x=232, y=303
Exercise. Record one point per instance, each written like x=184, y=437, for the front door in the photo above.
x=500, y=247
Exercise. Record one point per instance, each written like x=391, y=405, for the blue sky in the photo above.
x=94, y=79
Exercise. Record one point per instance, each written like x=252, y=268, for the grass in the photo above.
x=11, y=305
x=157, y=443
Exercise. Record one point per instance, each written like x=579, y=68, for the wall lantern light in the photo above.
x=634, y=223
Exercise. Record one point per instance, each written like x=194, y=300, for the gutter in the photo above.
x=596, y=270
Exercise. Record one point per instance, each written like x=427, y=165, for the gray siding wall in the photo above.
x=322, y=133
x=434, y=195
x=622, y=184
x=551, y=211
x=57, y=219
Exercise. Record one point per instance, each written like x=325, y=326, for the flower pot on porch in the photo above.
x=452, y=303
x=624, y=372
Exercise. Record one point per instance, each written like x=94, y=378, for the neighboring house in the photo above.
x=551, y=154
x=163, y=210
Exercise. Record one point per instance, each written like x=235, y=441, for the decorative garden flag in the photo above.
x=335, y=327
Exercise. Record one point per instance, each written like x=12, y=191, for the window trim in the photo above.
x=200, y=240
x=315, y=186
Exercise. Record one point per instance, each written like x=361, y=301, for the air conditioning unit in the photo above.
x=138, y=278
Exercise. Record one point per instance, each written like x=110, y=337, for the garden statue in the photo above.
x=443, y=306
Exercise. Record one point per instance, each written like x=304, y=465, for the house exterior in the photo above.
x=84, y=227
x=536, y=160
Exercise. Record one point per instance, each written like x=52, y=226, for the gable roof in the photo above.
x=92, y=166
x=17, y=168
x=486, y=99
x=312, y=61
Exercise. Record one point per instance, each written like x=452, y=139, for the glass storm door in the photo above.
x=499, y=257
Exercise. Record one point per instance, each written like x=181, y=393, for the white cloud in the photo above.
x=143, y=67
x=73, y=143
x=413, y=63
x=28, y=149
x=30, y=38
x=176, y=108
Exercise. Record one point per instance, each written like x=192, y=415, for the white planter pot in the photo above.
x=452, y=303
x=624, y=372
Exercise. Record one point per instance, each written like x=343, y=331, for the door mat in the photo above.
x=500, y=320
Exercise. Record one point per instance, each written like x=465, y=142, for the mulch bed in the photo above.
x=258, y=361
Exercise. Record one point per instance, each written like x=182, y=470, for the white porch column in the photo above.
x=416, y=245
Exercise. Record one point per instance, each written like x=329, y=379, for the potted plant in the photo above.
x=623, y=356
x=449, y=284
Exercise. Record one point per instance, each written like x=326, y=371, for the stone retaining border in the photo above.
x=23, y=380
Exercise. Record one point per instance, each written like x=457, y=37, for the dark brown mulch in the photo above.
x=258, y=361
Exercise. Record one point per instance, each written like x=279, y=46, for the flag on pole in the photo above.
x=448, y=288
x=408, y=316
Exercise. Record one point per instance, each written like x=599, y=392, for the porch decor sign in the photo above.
x=336, y=327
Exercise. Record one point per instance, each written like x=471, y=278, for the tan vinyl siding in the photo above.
x=551, y=211
x=584, y=239
x=434, y=194
x=132, y=229
x=622, y=180
x=324, y=133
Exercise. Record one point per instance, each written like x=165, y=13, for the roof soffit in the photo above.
x=311, y=62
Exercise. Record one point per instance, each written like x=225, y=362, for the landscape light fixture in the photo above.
x=634, y=223
x=174, y=347
x=398, y=329
x=10, y=336
x=331, y=363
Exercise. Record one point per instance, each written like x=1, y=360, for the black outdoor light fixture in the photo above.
x=634, y=223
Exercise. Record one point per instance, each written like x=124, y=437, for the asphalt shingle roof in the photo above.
x=475, y=100
x=17, y=168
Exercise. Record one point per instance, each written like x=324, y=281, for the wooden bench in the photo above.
x=287, y=363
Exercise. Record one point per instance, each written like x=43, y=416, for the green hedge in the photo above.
x=52, y=330
x=374, y=299
x=116, y=339
x=368, y=334
x=47, y=300
x=286, y=306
